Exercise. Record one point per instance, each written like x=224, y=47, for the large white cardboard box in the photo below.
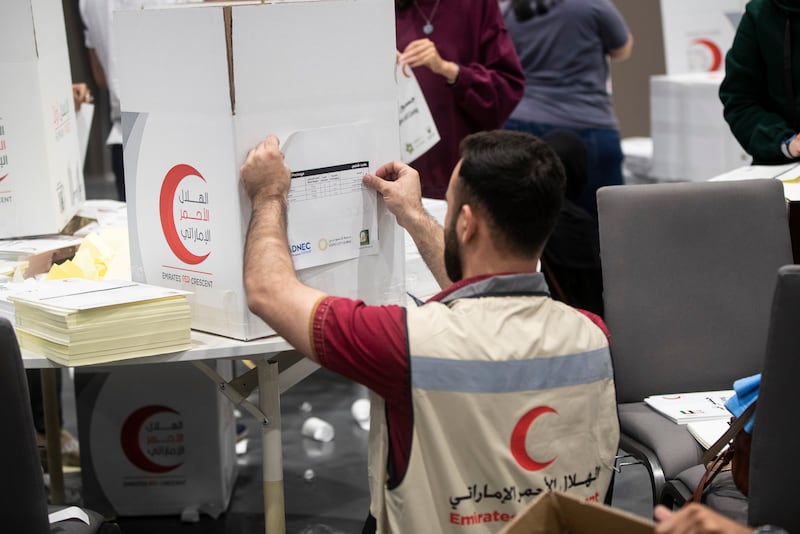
x=41, y=175
x=155, y=440
x=202, y=84
x=691, y=140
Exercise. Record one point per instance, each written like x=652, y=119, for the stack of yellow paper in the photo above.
x=80, y=322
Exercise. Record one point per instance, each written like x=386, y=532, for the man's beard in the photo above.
x=452, y=259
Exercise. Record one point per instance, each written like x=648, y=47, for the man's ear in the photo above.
x=467, y=222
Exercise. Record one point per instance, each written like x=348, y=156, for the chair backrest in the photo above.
x=23, y=499
x=688, y=276
x=776, y=434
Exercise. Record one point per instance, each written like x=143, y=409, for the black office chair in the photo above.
x=23, y=497
x=773, y=472
x=688, y=276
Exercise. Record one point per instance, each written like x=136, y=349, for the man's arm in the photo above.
x=399, y=186
x=273, y=291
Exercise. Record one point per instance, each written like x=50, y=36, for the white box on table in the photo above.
x=201, y=85
x=41, y=172
x=155, y=439
x=691, y=140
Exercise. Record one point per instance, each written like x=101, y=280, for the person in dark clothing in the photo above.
x=571, y=259
x=762, y=75
x=468, y=70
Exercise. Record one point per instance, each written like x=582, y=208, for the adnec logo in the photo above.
x=152, y=439
x=301, y=248
x=186, y=214
x=519, y=436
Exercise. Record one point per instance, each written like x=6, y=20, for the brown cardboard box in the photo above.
x=560, y=513
x=40, y=253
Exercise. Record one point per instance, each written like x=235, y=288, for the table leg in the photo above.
x=52, y=431
x=271, y=448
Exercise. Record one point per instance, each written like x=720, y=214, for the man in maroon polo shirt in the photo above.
x=473, y=368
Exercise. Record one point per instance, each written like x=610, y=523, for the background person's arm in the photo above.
x=98, y=73
x=757, y=123
x=624, y=52
x=613, y=31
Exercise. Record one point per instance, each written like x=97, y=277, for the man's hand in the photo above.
x=794, y=147
x=423, y=52
x=80, y=95
x=264, y=173
x=695, y=519
x=399, y=186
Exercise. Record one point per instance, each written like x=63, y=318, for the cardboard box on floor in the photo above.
x=560, y=513
x=41, y=174
x=155, y=440
x=202, y=84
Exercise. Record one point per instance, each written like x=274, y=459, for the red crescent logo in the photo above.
x=519, y=434
x=404, y=71
x=716, y=53
x=166, y=201
x=129, y=439
x=3, y=177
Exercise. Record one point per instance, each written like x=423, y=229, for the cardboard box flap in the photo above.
x=323, y=78
x=193, y=60
x=17, y=35
x=228, y=20
x=49, y=42
x=561, y=513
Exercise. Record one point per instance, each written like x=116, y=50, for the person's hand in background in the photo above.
x=695, y=519
x=81, y=95
x=423, y=53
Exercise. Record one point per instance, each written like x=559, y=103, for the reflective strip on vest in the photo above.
x=470, y=376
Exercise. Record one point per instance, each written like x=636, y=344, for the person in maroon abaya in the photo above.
x=468, y=70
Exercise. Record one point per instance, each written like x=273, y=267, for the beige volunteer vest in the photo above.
x=512, y=396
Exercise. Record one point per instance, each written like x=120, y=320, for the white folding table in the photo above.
x=278, y=367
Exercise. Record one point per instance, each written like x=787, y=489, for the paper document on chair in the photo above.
x=708, y=432
x=71, y=512
x=684, y=408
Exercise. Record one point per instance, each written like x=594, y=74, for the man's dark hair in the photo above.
x=517, y=181
x=525, y=10
x=399, y=5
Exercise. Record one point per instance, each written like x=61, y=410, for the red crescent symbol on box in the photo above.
x=129, y=439
x=519, y=434
x=716, y=53
x=3, y=177
x=171, y=182
x=404, y=71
